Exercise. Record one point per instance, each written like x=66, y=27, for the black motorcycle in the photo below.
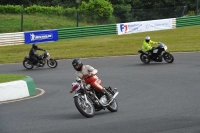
x=87, y=100
x=43, y=59
x=157, y=54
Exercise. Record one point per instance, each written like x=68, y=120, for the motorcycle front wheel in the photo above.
x=113, y=107
x=52, y=63
x=27, y=65
x=144, y=58
x=86, y=109
x=168, y=57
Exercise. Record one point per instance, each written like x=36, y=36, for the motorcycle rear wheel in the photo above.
x=144, y=58
x=27, y=65
x=86, y=109
x=52, y=63
x=168, y=57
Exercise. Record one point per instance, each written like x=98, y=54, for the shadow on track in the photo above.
x=74, y=116
x=147, y=65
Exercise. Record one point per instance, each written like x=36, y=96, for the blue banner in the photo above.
x=40, y=36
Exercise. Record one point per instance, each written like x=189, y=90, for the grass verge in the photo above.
x=11, y=77
x=12, y=22
x=178, y=40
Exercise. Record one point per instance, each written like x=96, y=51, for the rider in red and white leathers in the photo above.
x=88, y=74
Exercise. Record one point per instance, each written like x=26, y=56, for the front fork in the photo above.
x=84, y=97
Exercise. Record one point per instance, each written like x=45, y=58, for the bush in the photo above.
x=70, y=13
x=191, y=13
x=97, y=9
x=44, y=10
x=11, y=9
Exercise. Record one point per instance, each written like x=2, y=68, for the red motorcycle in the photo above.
x=87, y=100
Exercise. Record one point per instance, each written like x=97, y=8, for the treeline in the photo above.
x=93, y=10
x=17, y=9
x=103, y=11
x=117, y=4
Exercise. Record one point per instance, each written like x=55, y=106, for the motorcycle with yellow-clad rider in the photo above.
x=149, y=53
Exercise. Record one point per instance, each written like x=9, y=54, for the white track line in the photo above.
x=21, y=99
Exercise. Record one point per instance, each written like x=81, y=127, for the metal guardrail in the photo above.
x=173, y=23
x=187, y=21
x=16, y=38
x=88, y=31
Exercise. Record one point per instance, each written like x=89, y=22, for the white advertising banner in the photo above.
x=144, y=26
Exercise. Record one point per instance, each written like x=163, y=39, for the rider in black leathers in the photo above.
x=33, y=55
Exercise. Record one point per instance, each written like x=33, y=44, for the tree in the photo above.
x=97, y=9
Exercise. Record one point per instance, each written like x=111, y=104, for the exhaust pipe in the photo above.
x=113, y=98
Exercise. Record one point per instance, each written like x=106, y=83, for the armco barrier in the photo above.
x=88, y=31
x=12, y=38
x=188, y=21
x=173, y=23
x=17, y=89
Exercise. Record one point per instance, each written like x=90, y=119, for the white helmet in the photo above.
x=147, y=38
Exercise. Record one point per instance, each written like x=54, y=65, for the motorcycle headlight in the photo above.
x=48, y=54
x=103, y=100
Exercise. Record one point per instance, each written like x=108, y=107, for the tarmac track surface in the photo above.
x=153, y=98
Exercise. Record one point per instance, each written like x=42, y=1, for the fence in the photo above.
x=132, y=15
x=188, y=21
x=12, y=38
x=25, y=21
x=88, y=31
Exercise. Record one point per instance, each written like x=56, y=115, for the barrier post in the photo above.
x=197, y=4
x=22, y=18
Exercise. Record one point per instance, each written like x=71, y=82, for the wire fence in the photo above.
x=132, y=15
x=76, y=18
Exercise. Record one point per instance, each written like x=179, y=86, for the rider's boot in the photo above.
x=160, y=57
x=108, y=95
x=36, y=63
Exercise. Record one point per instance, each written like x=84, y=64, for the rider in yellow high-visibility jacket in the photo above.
x=146, y=47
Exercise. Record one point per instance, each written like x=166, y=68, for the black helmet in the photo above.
x=34, y=46
x=77, y=64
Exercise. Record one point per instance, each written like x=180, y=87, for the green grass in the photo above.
x=178, y=40
x=12, y=22
x=11, y=77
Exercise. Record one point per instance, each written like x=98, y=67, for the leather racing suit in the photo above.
x=88, y=73
x=33, y=55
